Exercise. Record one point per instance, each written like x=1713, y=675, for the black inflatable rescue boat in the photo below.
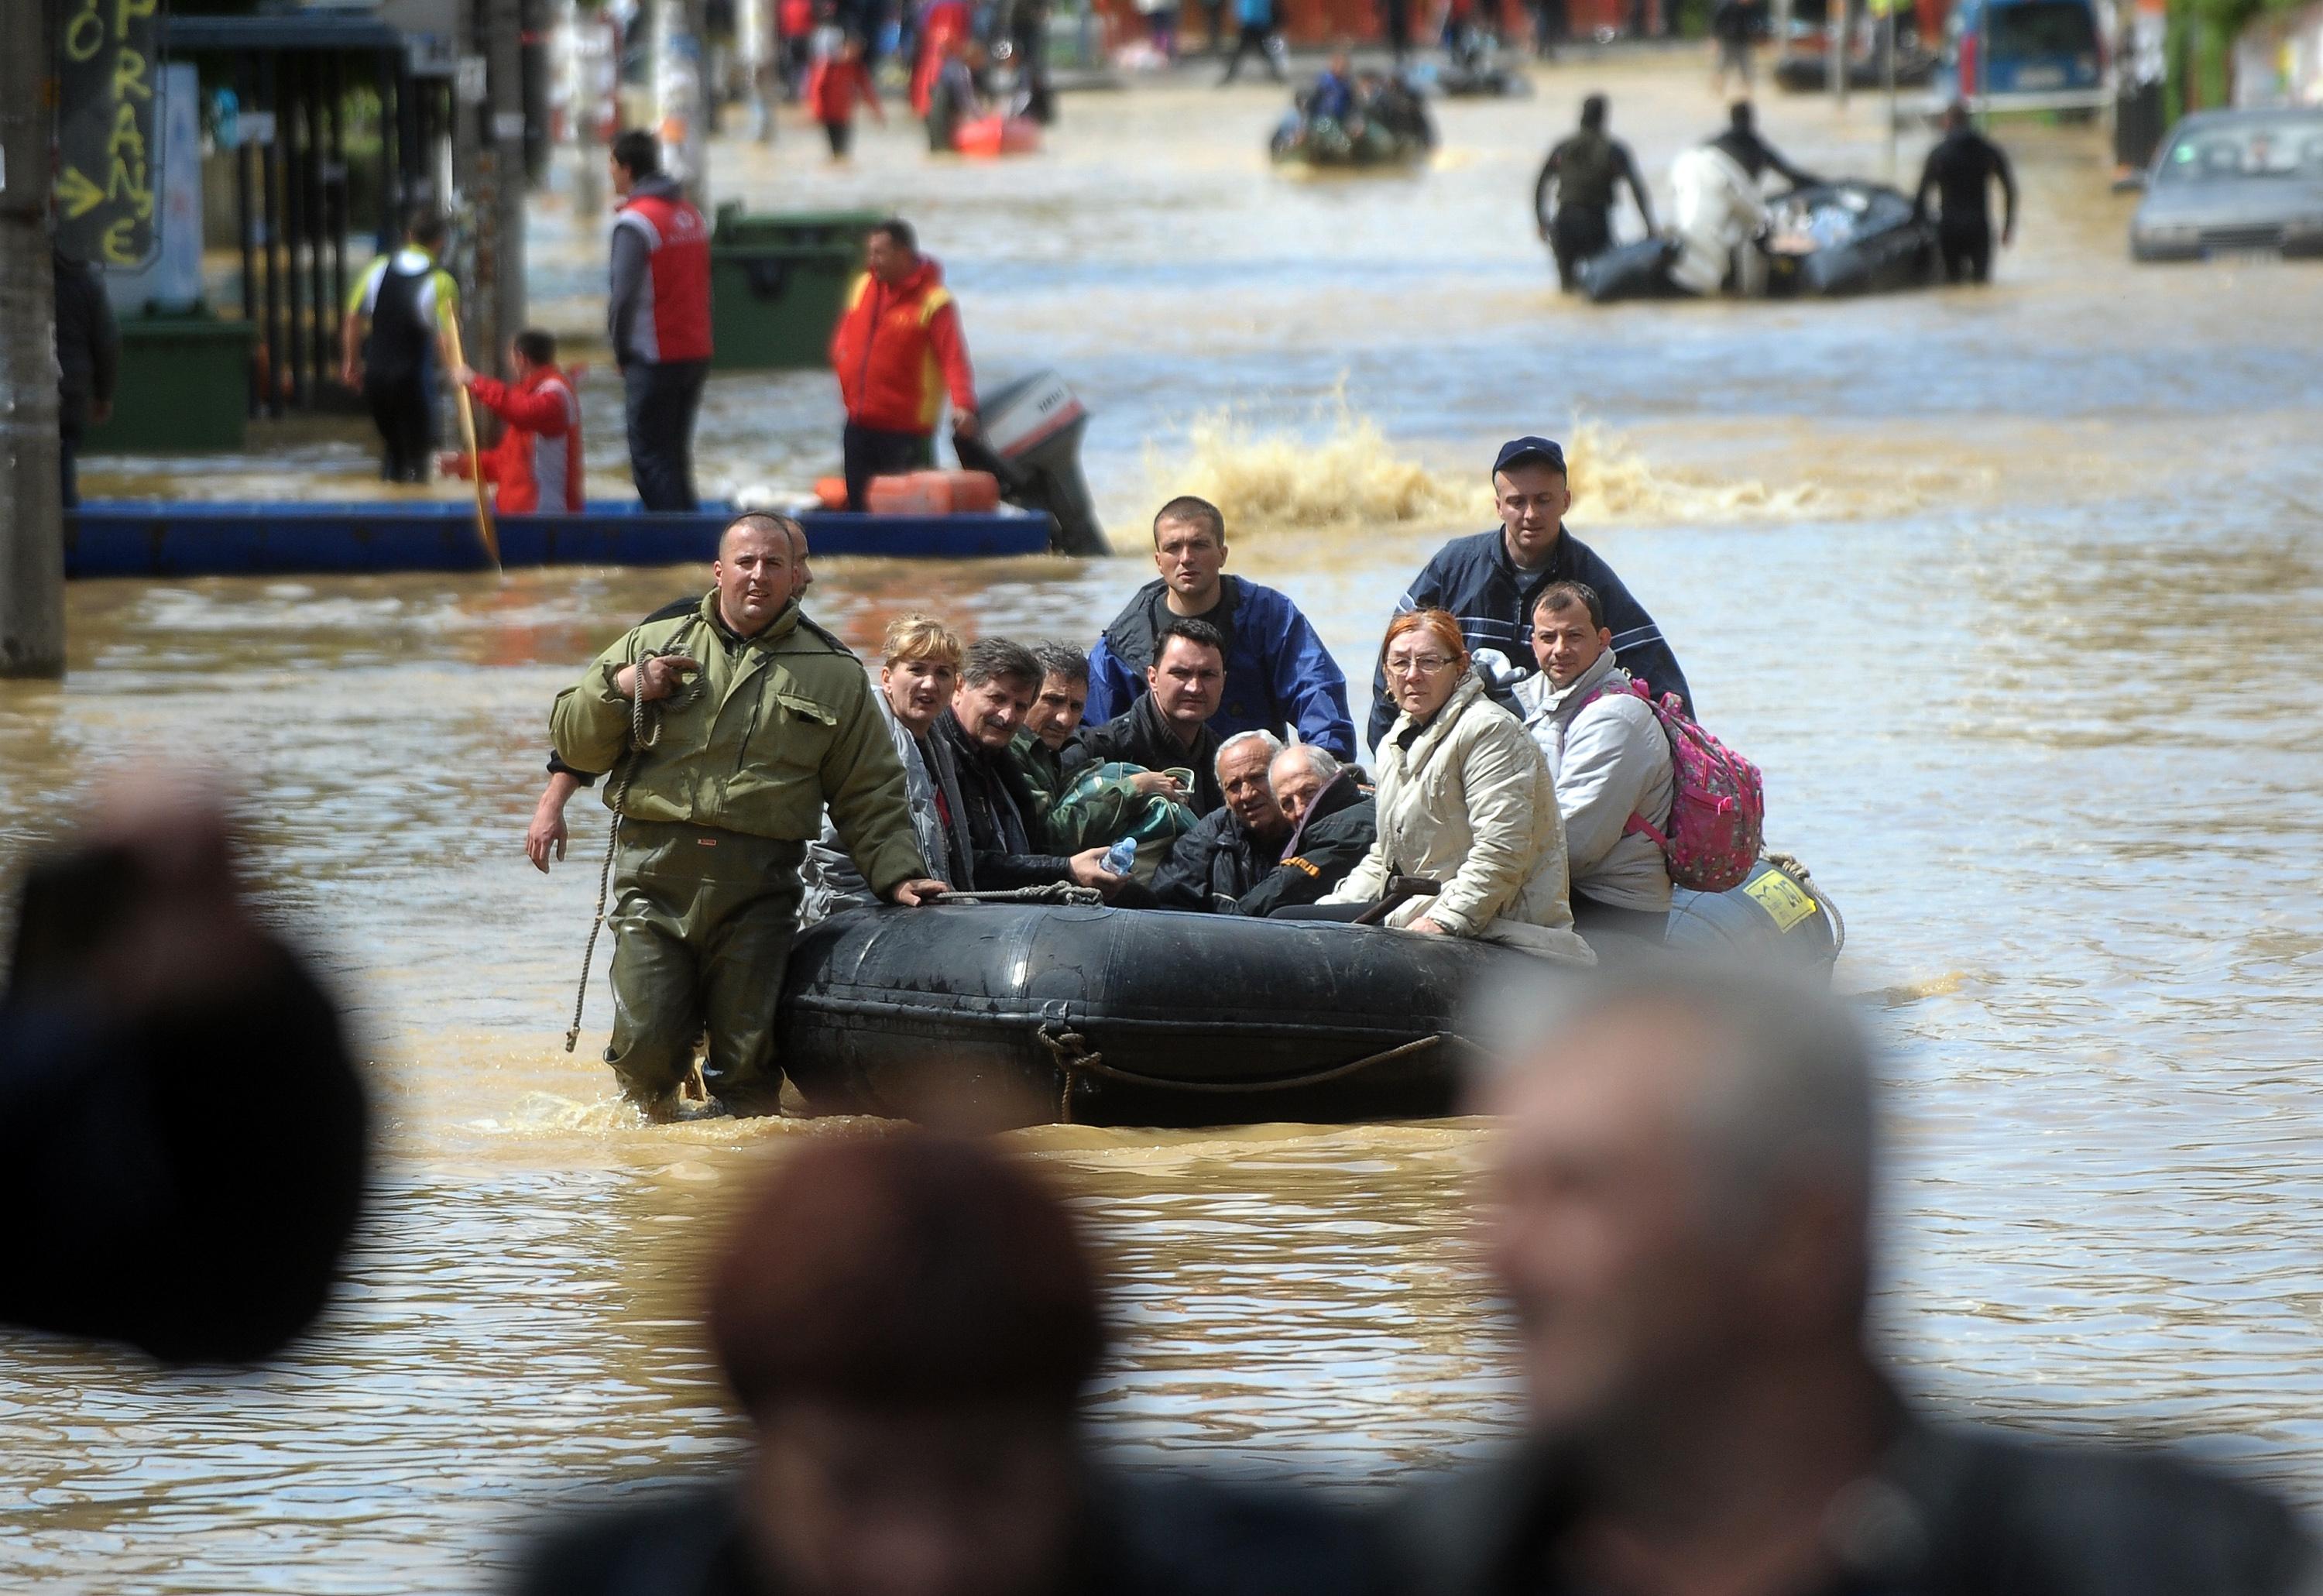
x=1847, y=238
x=1827, y=239
x=1005, y=1014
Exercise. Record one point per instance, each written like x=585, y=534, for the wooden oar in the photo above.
x=484, y=529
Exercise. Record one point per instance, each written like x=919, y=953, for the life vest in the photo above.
x=538, y=461
x=673, y=325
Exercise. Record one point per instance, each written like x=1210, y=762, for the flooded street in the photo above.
x=2017, y=596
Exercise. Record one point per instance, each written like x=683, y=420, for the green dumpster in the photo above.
x=777, y=283
x=185, y=384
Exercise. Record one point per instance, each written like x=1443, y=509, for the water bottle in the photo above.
x=1120, y=855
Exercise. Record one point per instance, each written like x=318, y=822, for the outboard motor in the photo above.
x=1031, y=439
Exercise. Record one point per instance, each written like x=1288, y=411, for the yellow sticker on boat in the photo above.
x=1782, y=898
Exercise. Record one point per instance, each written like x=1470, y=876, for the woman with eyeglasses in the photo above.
x=1464, y=800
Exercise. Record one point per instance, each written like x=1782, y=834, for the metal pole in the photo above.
x=1835, y=45
x=275, y=342
x=682, y=93
x=32, y=493
x=1846, y=50
x=499, y=202
x=245, y=224
x=1982, y=101
x=291, y=355
x=467, y=113
x=1887, y=82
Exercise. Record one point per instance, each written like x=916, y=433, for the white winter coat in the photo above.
x=1470, y=804
x=1717, y=210
x=1610, y=761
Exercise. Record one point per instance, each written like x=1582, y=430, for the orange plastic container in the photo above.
x=934, y=493
x=992, y=135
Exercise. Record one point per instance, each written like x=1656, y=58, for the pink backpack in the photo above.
x=1717, y=803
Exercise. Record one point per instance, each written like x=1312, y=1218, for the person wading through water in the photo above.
x=754, y=719
x=1585, y=170
x=393, y=343
x=1961, y=170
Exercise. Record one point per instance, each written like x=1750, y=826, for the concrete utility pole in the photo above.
x=464, y=207
x=32, y=516
x=681, y=76
x=1842, y=43
x=497, y=313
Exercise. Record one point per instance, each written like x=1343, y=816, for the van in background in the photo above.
x=2047, y=55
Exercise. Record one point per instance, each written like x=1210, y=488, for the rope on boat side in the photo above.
x=1074, y=1060
x=644, y=733
x=1054, y=892
x=1790, y=864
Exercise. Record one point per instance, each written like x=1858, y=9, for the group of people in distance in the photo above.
x=1200, y=755
x=1581, y=181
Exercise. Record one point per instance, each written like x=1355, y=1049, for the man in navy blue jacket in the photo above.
x=1279, y=678
x=1490, y=581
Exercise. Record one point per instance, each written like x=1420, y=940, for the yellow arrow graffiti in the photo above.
x=78, y=195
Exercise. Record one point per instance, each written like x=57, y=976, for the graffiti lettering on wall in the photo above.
x=108, y=67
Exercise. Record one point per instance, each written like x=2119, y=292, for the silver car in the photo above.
x=2234, y=182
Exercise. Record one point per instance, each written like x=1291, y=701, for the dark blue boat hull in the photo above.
x=156, y=538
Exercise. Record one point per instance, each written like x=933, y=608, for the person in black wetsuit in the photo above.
x=1586, y=169
x=1752, y=154
x=1961, y=170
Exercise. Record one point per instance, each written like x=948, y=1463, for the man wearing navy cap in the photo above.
x=1490, y=581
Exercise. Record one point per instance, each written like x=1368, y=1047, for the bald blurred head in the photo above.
x=1679, y=1186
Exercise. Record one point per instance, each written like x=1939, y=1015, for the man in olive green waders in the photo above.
x=754, y=718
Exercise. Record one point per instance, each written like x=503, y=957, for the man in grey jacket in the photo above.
x=1679, y=1217
x=1611, y=759
x=657, y=318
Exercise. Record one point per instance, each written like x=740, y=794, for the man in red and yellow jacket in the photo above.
x=897, y=351
x=537, y=463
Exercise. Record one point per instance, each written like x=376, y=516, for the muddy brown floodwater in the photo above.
x=2014, y=593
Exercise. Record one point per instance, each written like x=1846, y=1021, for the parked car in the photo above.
x=2045, y=52
x=2227, y=182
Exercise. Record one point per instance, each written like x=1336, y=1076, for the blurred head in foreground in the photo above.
x=1677, y=1204
x=909, y=1321
x=184, y=1134
x=1677, y=1208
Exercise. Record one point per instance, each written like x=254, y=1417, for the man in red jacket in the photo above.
x=537, y=463
x=897, y=351
x=658, y=319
